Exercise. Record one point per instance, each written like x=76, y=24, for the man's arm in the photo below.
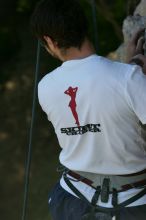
x=140, y=60
x=135, y=92
x=135, y=45
x=135, y=50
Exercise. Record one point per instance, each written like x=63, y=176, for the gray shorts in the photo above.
x=64, y=206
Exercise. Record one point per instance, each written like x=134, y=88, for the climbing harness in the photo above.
x=99, y=212
x=28, y=159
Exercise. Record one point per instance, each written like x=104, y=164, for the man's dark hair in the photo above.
x=63, y=21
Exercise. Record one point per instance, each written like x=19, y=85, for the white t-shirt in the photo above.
x=95, y=106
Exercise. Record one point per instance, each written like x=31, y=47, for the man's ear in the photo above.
x=50, y=42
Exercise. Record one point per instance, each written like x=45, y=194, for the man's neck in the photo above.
x=74, y=53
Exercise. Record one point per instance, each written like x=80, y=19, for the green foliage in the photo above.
x=23, y=5
x=110, y=15
x=119, y=9
x=8, y=43
x=107, y=17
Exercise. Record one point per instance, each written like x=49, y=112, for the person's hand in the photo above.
x=135, y=45
x=140, y=60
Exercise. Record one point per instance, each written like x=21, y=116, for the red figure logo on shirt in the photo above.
x=72, y=104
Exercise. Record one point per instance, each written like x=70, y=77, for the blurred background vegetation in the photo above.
x=17, y=67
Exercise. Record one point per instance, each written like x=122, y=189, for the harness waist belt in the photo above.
x=125, y=187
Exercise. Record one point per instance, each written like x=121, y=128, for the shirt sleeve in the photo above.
x=136, y=92
x=43, y=97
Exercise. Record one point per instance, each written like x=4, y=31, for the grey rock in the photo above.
x=130, y=25
x=141, y=8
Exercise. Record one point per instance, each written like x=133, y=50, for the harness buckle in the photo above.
x=105, y=190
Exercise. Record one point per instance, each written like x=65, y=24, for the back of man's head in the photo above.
x=63, y=21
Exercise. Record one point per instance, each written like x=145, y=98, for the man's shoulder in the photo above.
x=47, y=79
x=119, y=68
x=115, y=64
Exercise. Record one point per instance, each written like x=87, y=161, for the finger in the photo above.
x=137, y=35
x=139, y=60
x=140, y=44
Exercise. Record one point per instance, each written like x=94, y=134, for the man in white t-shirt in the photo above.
x=98, y=109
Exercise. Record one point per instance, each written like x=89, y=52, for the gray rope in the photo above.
x=28, y=159
x=93, y=4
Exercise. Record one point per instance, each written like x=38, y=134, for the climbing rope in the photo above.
x=29, y=155
x=93, y=4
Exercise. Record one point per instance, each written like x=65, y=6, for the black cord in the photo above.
x=94, y=15
x=28, y=159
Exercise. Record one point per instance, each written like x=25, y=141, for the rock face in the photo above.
x=141, y=8
x=130, y=25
